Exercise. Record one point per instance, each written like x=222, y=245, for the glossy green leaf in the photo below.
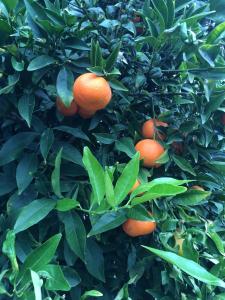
x=38, y=258
x=157, y=191
x=92, y=293
x=191, y=197
x=96, y=175
x=37, y=283
x=126, y=145
x=183, y=164
x=216, y=34
x=13, y=147
x=55, y=178
x=56, y=280
x=47, y=139
x=64, y=86
x=66, y=204
x=33, y=213
x=10, y=4
x=26, y=107
x=17, y=65
x=40, y=62
x=25, y=171
x=117, y=85
x=109, y=190
x=75, y=233
x=76, y=132
x=127, y=179
x=112, y=58
x=170, y=13
x=107, y=222
x=188, y=266
x=209, y=53
x=9, y=250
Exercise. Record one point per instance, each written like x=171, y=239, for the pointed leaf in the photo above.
x=96, y=175
x=188, y=266
x=55, y=178
x=26, y=107
x=40, y=62
x=64, y=86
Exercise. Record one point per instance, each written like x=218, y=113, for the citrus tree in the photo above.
x=112, y=149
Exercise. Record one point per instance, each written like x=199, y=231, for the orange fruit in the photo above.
x=135, y=228
x=64, y=110
x=150, y=151
x=223, y=119
x=136, y=184
x=149, y=129
x=197, y=187
x=85, y=114
x=91, y=92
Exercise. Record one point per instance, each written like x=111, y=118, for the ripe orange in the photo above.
x=150, y=151
x=64, y=110
x=136, y=184
x=149, y=129
x=223, y=119
x=91, y=92
x=135, y=228
x=85, y=114
x=197, y=187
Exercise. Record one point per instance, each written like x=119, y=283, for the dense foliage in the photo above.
x=64, y=182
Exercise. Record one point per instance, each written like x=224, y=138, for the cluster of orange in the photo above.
x=91, y=93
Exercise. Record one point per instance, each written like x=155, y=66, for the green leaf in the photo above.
x=126, y=145
x=96, y=175
x=215, y=102
x=139, y=212
x=216, y=34
x=40, y=62
x=37, y=283
x=92, y=53
x=33, y=213
x=94, y=260
x=216, y=239
x=105, y=138
x=64, y=86
x=56, y=280
x=75, y=233
x=127, y=179
x=92, y=293
x=18, y=66
x=98, y=55
x=38, y=258
x=188, y=266
x=76, y=132
x=55, y=178
x=10, y=4
x=75, y=43
x=9, y=250
x=117, y=85
x=107, y=222
x=25, y=171
x=98, y=70
x=70, y=153
x=183, y=164
x=157, y=191
x=12, y=80
x=217, y=73
x=13, y=147
x=66, y=204
x=26, y=107
x=162, y=11
x=110, y=196
x=47, y=139
x=171, y=12
x=111, y=60
x=191, y=197
x=209, y=53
